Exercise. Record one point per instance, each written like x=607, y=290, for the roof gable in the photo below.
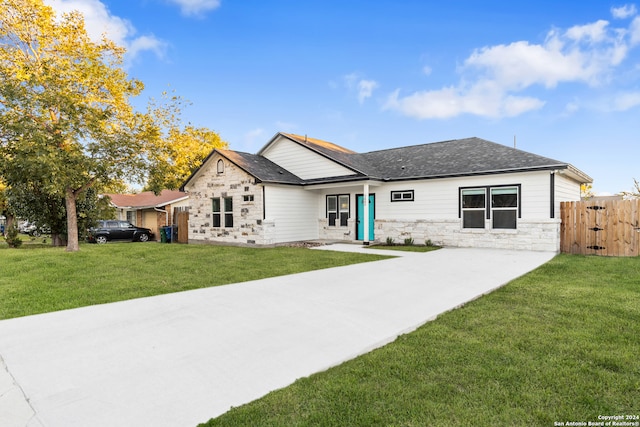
x=309, y=158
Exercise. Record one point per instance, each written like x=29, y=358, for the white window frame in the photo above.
x=340, y=209
x=515, y=209
x=471, y=192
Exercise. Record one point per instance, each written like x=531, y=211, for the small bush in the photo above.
x=428, y=242
x=408, y=241
x=12, y=237
x=390, y=241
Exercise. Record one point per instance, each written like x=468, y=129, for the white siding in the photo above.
x=567, y=190
x=438, y=198
x=433, y=215
x=292, y=213
x=303, y=162
x=338, y=232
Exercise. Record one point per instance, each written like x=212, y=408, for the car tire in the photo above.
x=144, y=237
x=101, y=240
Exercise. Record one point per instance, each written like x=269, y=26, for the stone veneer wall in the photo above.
x=541, y=235
x=248, y=226
x=337, y=233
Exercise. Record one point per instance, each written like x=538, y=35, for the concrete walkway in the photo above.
x=180, y=359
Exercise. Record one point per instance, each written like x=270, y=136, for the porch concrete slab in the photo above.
x=180, y=359
x=365, y=249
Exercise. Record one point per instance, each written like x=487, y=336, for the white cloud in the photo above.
x=144, y=43
x=427, y=70
x=99, y=21
x=351, y=80
x=480, y=100
x=571, y=107
x=595, y=32
x=493, y=77
x=626, y=101
x=365, y=89
x=362, y=87
x=196, y=7
x=520, y=64
x=623, y=12
x=634, y=31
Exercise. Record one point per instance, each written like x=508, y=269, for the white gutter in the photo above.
x=166, y=214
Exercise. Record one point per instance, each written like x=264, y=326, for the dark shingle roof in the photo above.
x=261, y=167
x=469, y=156
x=459, y=157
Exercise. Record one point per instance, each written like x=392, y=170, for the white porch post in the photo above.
x=365, y=206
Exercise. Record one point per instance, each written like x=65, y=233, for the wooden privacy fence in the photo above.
x=608, y=228
x=181, y=219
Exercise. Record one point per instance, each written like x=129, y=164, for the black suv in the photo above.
x=109, y=230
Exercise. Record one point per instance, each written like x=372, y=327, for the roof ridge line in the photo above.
x=428, y=143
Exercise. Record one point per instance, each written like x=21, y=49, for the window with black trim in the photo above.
x=228, y=212
x=216, y=211
x=473, y=207
x=220, y=167
x=504, y=207
x=402, y=196
x=500, y=204
x=222, y=208
x=338, y=210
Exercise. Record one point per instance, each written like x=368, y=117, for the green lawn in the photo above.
x=560, y=344
x=37, y=278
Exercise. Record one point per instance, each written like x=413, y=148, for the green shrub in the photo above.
x=390, y=241
x=12, y=237
x=428, y=242
x=408, y=241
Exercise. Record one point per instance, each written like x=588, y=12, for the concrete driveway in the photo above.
x=180, y=359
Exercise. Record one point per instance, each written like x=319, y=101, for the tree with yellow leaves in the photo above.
x=65, y=117
x=176, y=151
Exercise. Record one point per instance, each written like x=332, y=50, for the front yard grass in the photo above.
x=36, y=279
x=560, y=344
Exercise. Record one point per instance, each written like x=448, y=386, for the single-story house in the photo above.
x=147, y=209
x=466, y=193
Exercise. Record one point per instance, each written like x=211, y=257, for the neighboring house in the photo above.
x=467, y=192
x=147, y=209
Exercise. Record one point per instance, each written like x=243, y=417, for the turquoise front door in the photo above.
x=360, y=216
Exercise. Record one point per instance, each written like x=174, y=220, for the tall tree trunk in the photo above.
x=72, y=221
x=58, y=239
x=11, y=219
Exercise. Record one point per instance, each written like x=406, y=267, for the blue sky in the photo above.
x=561, y=78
